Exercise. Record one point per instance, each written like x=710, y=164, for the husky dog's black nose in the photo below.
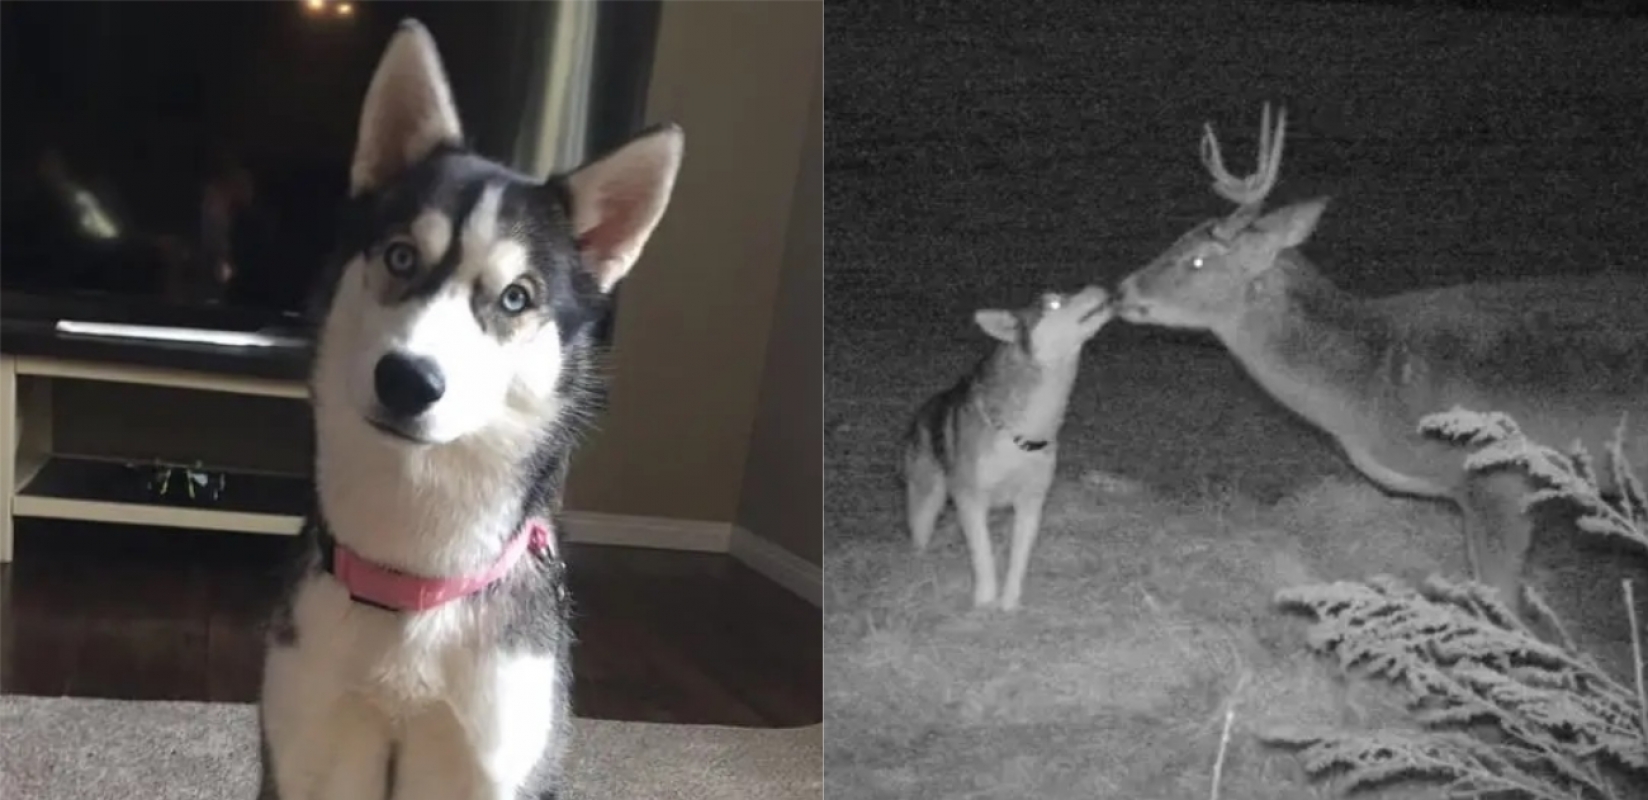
x=407, y=385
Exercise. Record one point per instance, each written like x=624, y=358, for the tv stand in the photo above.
x=39, y=480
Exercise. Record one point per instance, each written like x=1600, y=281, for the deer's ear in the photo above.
x=1291, y=226
x=1000, y=325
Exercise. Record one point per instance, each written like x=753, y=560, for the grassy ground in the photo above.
x=979, y=153
x=1184, y=502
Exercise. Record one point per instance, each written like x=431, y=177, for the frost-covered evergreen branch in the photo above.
x=1467, y=766
x=1462, y=659
x=1565, y=727
x=1570, y=476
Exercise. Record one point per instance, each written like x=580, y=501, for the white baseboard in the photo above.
x=780, y=566
x=771, y=561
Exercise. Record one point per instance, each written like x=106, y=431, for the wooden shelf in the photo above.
x=108, y=491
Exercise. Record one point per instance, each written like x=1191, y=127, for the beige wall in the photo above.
x=783, y=493
x=696, y=314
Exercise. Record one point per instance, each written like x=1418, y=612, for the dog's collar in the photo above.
x=393, y=590
x=1027, y=445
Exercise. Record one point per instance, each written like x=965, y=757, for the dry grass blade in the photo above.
x=1636, y=660
x=1224, y=745
x=1224, y=734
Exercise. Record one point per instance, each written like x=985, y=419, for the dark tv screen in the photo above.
x=195, y=155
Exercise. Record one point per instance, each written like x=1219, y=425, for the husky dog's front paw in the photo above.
x=1010, y=602
x=984, y=598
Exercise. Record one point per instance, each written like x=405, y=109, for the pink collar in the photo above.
x=378, y=585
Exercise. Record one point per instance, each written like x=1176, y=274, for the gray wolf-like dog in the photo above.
x=991, y=440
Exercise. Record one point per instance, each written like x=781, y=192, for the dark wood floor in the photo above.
x=663, y=636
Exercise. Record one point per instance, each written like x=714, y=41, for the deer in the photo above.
x=1565, y=357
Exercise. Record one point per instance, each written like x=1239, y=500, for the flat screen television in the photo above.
x=183, y=163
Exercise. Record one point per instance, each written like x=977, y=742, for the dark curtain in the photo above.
x=626, y=37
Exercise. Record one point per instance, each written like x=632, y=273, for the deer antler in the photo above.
x=1248, y=193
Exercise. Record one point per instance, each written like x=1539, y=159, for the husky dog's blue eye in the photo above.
x=400, y=259
x=515, y=299
x=1198, y=262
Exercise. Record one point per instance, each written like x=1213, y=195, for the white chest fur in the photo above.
x=1006, y=469
x=399, y=661
x=466, y=718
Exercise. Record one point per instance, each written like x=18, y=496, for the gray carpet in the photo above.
x=78, y=749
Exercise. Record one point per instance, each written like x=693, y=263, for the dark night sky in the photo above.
x=981, y=151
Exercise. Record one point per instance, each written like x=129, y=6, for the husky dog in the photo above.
x=421, y=650
x=991, y=440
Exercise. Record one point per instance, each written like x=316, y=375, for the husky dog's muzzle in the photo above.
x=405, y=386
x=1097, y=298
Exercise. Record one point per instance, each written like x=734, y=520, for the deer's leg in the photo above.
x=973, y=512
x=1497, y=532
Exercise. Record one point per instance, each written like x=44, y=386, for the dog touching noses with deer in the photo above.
x=991, y=440
x=1566, y=357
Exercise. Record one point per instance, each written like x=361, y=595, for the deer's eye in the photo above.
x=1052, y=302
x=1198, y=262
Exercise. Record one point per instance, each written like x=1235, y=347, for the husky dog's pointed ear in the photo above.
x=1001, y=325
x=618, y=199
x=408, y=110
